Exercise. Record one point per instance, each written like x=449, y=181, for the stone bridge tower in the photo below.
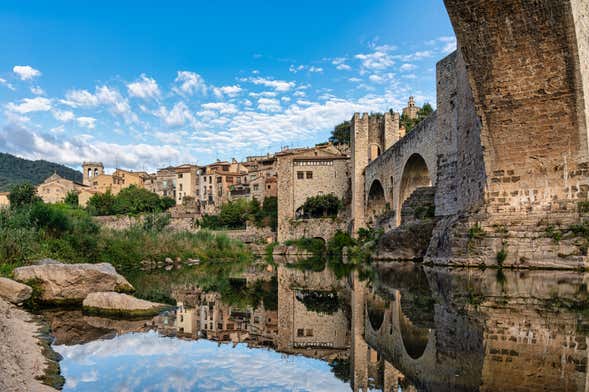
x=371, y=135
x=91, y=170
x=527, y=64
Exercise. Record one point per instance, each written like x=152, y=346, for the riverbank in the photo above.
x=23, y=363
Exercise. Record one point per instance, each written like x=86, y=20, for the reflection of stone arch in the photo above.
x=376, y=203
x=375, y=311
x=415, y=175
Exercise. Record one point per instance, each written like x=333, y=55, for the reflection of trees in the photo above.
x=325, y=302
x=341, y=368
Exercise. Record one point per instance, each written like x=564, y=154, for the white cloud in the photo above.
x=178, y=116
x=230, y=91
x=315, y=69
x=312, y=68
x=375, y=61
x=189, y=83
x=278, y=85
x=104, y=95
x=144, y=88
x=407, y=67
x=420, y=55
x=63, y=115
x=27, y=105
x=71, y=151
x=340, y=63
x=37, y=90
x=4, y=82
x=26, y=72
x=86, y=122
x=269, y=105
x=221, y=107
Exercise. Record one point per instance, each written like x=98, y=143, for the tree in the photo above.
x=425, y=111
x=23, y=195
x=102, y=204
x=341, y=133
x=409, y=124
x=321, y=206
x=72, y=199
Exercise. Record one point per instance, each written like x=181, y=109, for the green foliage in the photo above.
x=554, y=233
x=340, y=240
x=235, y=215
x=129, y=201
x=14, y=170
x=72, y=199
x=321, y=206
x=476, y=232
x=313, y=245
x=501, y=256
x=410, y=124
x=22, y=195
x=341, y=133
x=583, y=207
x=156, y=222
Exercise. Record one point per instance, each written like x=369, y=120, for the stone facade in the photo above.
x=187, y=182
x=305, y=173
x=55, y=188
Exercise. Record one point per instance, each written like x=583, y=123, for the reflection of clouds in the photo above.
x=150, y=362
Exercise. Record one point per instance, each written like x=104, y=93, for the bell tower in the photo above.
x=91, y=170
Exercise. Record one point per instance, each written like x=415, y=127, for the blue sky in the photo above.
x=141, y=85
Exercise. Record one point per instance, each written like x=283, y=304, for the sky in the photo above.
x=152, y=363
x=145, y=84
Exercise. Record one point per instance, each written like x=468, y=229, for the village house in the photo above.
x=187, y=183
x=55, y=188
x=304, y=173
x=165, y=182
x=216, y=181
x=95, y=178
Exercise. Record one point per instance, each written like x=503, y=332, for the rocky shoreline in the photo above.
x=24, y=365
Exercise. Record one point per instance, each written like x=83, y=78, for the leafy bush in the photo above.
x=72, y=199
x=235, y=215
x=129, y=201
x=320, y=206
x=22, y=195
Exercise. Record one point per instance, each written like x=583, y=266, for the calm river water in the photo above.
x=406, y=328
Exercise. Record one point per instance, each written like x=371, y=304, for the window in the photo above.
x=180, y=188
x=268, y=186
x=300, y=175
x=300, y=333
x=219, y=180
x=180, y=175
x=309, y=332
x=309, y=175
x=256, y=187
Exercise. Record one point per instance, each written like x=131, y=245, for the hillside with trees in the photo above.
x=15, y=170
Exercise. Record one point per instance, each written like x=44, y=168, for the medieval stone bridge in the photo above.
x=508, y=145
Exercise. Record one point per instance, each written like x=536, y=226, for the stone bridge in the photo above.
x=423, y=322
x=410, y=163
x=508, y=145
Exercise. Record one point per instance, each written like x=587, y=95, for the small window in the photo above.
x=309, y=332
x=180, y=188
x=300, y=175
x=180, y=175
x=268, y=186
x=300, y=333
x=309, y=175
x=256, y=187
x=219, y=180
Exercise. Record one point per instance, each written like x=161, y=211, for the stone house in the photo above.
x=55, y=188
x=303, y=173
x=101, y=182
x=187, y=182
x=216, y=182
x=165, y=182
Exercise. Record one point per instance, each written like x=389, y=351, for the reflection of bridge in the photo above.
x=508, y=143
x=513, y=337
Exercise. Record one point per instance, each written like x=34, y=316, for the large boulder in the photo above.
x=71, y=283
x=14, y=292
x=117, y=304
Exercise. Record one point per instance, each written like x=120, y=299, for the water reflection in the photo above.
x=410, y=328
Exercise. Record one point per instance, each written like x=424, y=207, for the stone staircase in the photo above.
x=420, y=205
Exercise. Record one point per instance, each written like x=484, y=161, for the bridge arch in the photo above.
x=415, y=174
x=376, y=202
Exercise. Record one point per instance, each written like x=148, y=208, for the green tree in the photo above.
x=270, y=212
x=72, y=199
x=422, y=113
x=234, y=214
x=102, y=204
x=320, y=206
x=22, y=195
x=341, y=133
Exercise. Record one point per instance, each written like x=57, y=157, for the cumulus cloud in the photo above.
x=269, y=104
x=189, y=83
x=106, y=96
x=178, y=116
x=144, y=88
x=26, y=72
x=378, y=60
x=407, y=67
x=86, y=122
x=63, y=115
x=230, y=91
x=37, y=90
x=278, y=85
x=312, y=69
x=71, y=151
x=221, y=107
x=28, y=105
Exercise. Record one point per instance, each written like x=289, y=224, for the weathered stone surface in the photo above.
x=62, y=283
x=407, y=242
x=13, y=291
x=121, y=304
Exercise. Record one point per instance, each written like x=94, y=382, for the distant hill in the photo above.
x=14, y=170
